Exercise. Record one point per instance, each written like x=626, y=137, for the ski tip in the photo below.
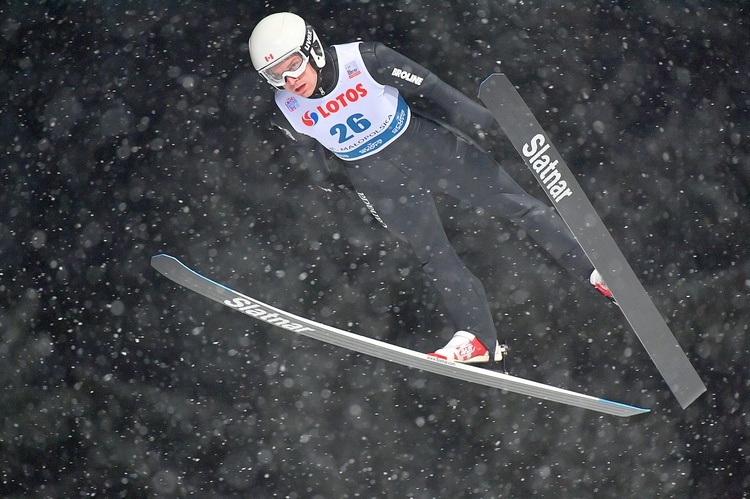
x=479, y=93
x=163, y=262
x=159, y=257
x=162, y=256
x=492, y=76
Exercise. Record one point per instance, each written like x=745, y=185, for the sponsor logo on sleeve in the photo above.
x=407, y=76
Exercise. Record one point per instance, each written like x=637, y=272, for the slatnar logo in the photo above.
x=545, y=167
x=247, y=306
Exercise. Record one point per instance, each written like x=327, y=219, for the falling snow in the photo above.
x=135, y=128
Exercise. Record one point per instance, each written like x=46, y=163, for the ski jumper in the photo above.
x=396, y=158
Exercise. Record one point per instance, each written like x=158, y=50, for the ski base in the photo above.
x=175, y=270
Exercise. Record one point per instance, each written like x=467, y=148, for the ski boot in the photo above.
x=597, y=281
x=465, y=348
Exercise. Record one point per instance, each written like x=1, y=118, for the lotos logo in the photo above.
x=310, y=118
x=333, y=106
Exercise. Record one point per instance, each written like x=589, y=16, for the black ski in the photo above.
x=529, y=139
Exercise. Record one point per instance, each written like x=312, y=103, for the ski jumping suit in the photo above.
x=396, y=158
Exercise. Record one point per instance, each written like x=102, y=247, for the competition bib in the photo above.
x=357, y=119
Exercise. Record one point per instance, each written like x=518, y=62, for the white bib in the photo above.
x=357, y=119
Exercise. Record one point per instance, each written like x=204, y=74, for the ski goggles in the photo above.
x=290, y=66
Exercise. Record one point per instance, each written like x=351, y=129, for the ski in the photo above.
x=551, y=171
x=175, y=270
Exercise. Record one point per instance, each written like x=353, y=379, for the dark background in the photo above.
x=133, y=128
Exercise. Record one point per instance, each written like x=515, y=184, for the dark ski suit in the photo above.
x=397, y=184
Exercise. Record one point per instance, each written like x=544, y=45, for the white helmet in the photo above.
x=279, y=38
